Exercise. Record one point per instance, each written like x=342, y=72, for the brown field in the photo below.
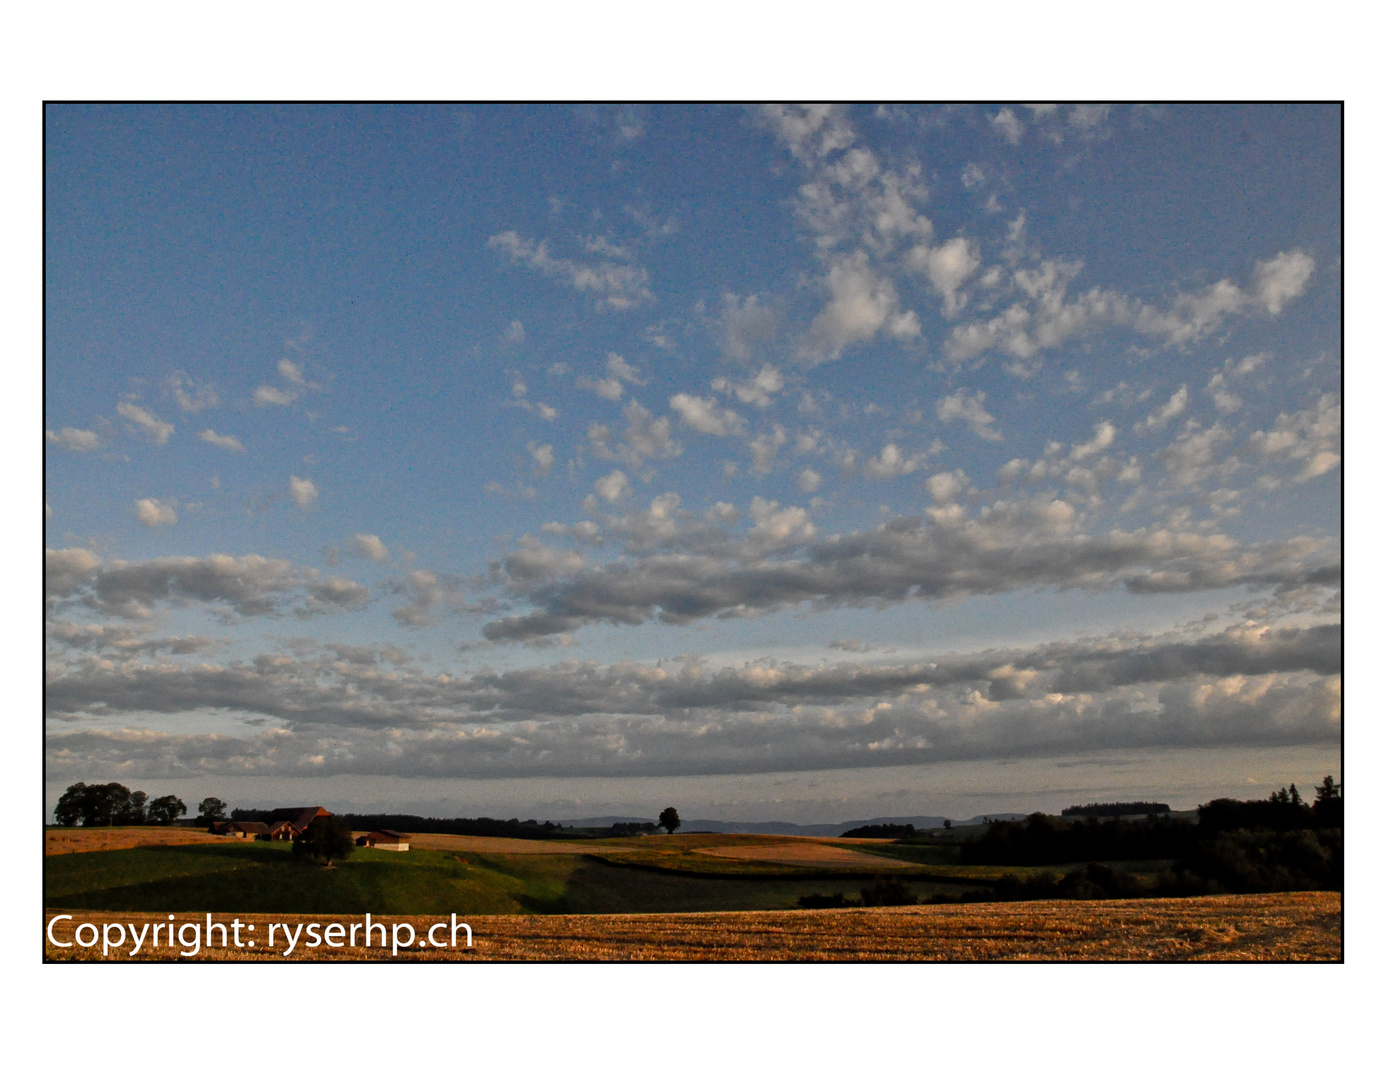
x=504, y=845
x=1269, y=927
x=71, y=841
x=801, y=853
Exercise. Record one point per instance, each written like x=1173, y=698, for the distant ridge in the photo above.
x=788, y=828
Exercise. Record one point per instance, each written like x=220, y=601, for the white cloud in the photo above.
x=1044, y=317
x=153, y=512
x=646, y=436
x=773, y=525
x=1101, y=439
x=891, y=462
x=948, y=268
x=621, y=286
x=757, y=390
x=1281, y=279
x=1008, y=125
x=613, y=486
x=764, y=448
x=945, y=486
x=1198, y=454
x=1089, y=121
x=703, y=414
x=862, y=304
x=191, y=396
x=1310, y=436
x=963, y=406
x=618, y=368
x=271, y=395
x=1171, y=409
x=811, y=132
x=75, y=439
x=542, y=453
x=618, y=372
x=146, y=422
x=303, y=492
x=292, y=372
x=808, y=481
x=368, y=546
x=745, y=327
x=224, y=442
x=514, y=333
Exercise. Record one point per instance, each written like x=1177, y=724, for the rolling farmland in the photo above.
x=1267, y=927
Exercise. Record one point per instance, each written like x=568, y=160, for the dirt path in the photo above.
x=1271, y=927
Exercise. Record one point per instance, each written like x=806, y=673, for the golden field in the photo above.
x=1266, y=927
x=121, y=837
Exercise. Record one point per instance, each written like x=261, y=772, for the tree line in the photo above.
x=115, y=804
x=1277, y=844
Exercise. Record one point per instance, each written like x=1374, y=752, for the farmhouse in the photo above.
x=288, y=822
x=243, y=830
x=298, y=817
x=386, y=839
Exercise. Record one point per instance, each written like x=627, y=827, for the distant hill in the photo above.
x=788, y=828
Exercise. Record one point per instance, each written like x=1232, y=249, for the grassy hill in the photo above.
x=262, y=877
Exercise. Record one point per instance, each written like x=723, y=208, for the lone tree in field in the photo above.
x=327, y=838
x=211, y=810
x=669, y=819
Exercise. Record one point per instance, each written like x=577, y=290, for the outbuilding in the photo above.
x=385, y=839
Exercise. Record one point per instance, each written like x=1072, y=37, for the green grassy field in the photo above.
x=262, y=877
x=681, y=873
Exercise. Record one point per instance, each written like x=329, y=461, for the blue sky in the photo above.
x=812, y=462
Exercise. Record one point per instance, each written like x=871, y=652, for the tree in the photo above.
x=669, y=819
x=1328, y=806
x=166, y=810
x=327, y=838
x=110, y=804
x=134, y=812
x=211, y=810
x=70, y=804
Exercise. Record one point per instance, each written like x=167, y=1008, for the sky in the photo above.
x=802, y=463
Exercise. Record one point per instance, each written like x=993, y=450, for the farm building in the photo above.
x=385, y=839
x=288, y=822
x=243, y=830
x=298, y=817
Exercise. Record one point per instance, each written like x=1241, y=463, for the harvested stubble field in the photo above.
x=1269, y=927
x=122, y=837
x=505, y=845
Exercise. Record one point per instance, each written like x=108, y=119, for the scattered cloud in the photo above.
x=223, y=442
x=368, y=546
x=621, y=286
x=271, y=395
x=75, y=439
x=144, y=422
x=303, y=492
x=190, y=396
x=613, y=486
x=965, y=406
x=757, y=390
x=153, y=512
x=704, y=415
x=542, y=455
